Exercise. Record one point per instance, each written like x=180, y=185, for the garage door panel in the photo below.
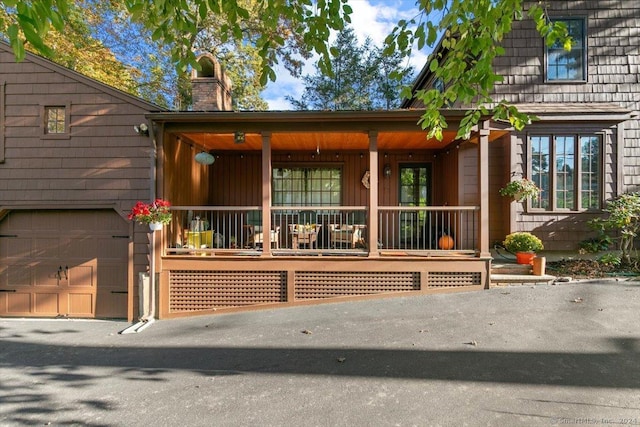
x=111, y=304
x=45, y=247
x=80, y=247
x=81, y=304
x=114, y=248
x=47, y=304
x=112, y=275
x=22, y=222
x=14, y=247
x=46, y=274
x=16, y=275
x=82, y=276
x=17, y=303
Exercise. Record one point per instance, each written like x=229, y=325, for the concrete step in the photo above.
x=520, y=279
x=511, y=268
x=511, y=273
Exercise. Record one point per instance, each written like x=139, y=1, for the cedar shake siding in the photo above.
x=97, y=164
x=613, y=71
x=605, y=103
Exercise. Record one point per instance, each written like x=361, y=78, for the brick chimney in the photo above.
x=210, y=87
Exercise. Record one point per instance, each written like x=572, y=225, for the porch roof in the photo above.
x=308, y=130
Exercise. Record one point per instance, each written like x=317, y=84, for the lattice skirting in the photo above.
x=316, y=284
x=448, y=279
x=191, y=291
x=206, y=290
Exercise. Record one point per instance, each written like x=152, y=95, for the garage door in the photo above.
x=63, y=263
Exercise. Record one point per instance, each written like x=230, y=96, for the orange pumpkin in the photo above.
x=446, y=242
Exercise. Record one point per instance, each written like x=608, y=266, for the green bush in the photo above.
x=595, y=244
x=624, y=220
x=611, y=259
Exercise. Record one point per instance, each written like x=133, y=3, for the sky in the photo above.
x=370, y=18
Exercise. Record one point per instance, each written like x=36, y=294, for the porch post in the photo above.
x=266, y=193
x=483, y=188
x=373, y=194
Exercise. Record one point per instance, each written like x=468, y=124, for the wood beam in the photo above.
x=266, y=193
x=373, y=194
x=483, y=188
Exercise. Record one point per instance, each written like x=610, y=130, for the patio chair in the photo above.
x=302, y=234
x=256, y=234
x=348, y=234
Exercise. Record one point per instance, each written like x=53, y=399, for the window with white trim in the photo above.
x=563, y=65
x=568, y=170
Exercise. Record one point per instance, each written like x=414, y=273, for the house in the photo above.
x=71, y=165
x=583, y=149
x=288, y=208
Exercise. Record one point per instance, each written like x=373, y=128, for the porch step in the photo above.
x=517, y=279
x=509, y=274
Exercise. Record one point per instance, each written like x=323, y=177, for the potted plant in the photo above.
x=524, y=245
x=155, y=214
x=521, y=189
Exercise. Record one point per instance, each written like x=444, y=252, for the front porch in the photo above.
x=315, y=207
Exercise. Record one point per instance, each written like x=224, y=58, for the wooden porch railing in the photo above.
x=431, y=228
x=313, y=230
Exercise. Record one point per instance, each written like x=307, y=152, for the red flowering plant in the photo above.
x=146, y=213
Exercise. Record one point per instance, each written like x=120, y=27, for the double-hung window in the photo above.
x=568, y=169
x=563, y=65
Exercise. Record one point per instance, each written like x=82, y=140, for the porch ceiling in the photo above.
x=323, y=141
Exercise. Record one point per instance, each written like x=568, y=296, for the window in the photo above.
x=307, y=186
x=568, y=169
x=565, y=65
x=55, y=120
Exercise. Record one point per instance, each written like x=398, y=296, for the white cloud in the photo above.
x=370, y=18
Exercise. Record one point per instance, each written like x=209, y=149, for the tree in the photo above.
x=472, y=32
x=358, y=79
x=78, y=50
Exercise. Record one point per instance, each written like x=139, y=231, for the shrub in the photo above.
x=595, y=244
x=623, y=218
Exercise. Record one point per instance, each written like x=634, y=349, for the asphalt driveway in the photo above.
x=546, y=355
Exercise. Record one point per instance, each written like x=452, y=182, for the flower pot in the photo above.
x=155, y=226
x=525, y=257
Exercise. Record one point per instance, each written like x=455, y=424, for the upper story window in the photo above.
x=305, y=186
x=570, y=65
x=568, y=169
x=55, y=120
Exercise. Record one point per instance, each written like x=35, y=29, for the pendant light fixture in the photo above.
x=205, y=158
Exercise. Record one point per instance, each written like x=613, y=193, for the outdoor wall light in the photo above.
x=142, y=129
x=238, y=137
x=387, y=170
x=205, y=158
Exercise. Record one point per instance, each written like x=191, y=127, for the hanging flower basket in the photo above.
x=154, y=226
x=521, y=189
x=155, y=214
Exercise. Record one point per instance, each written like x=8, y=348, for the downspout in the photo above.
x=148, y=318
